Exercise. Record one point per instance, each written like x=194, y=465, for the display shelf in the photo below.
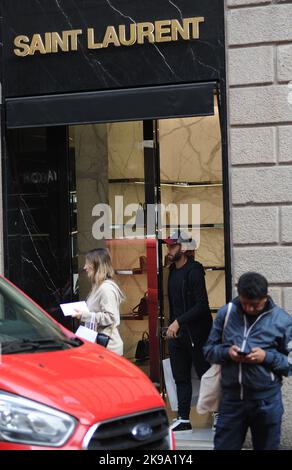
x=214, y=268
x=129, y=272
x=172, y=227
x=126, y=181
x=132, y=316
x=182, y=184
x=192, y=184
x=138, y=271
x=185, y=226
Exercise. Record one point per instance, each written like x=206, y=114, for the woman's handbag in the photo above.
x=141, y=309
x=210, y=387
x=102, y=339
x=142, y=349
x=90, y=333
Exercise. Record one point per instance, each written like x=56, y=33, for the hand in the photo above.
x=172, y=330
x=77, y=314
x=234, y=356
x=257, y=356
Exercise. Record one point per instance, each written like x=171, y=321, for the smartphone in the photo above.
x=242, y=353
x=164, y=331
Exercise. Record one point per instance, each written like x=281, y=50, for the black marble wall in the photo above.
x=113, y=67
x=37, y=218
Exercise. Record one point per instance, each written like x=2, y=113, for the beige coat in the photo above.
x=104, y=303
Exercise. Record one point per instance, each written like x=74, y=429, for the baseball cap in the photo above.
x=181, y=238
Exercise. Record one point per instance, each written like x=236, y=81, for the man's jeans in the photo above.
x=182, y=357
x=263, y=417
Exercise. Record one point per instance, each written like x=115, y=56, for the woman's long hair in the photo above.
x=103, y=270
x=101, y=263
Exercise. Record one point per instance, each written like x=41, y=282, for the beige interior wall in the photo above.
x=210, y=199
x=191, y=149
x=125, y=150
x=91, y=159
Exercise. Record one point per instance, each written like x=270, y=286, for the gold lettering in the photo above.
x=90, y=40
x=133, y=35
x=111, y=37
x=145, y=30
x=74, y=38
x=23, y=49
x=127, y=35
x=182, y=30
x=37, y=45
x=195, y=22
x=59, y=42
x=48, y=42
x=161, y=28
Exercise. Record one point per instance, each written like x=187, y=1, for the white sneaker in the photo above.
x=181, y=426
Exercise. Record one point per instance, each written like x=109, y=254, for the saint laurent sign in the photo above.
x=135, y=33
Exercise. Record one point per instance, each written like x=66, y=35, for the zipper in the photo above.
x=245, y=336
x=247, y=331
x=273, y=376
x=240, y=365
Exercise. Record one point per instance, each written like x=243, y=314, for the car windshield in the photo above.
x=25, y=328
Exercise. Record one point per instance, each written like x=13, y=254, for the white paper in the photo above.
x=70, y=308
x=86, y=333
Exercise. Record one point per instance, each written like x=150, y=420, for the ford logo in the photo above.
x=141, y=432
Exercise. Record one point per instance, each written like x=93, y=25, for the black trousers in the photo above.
x=182, y=357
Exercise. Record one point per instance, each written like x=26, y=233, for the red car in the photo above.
x=59, y=392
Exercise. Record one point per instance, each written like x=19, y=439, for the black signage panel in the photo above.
x=60, y=46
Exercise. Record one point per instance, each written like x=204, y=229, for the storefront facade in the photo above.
x=124, y=102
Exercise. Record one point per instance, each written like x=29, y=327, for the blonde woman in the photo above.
x=104, y=298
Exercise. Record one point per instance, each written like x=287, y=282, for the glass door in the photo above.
x=191, y=193
x=114, y=182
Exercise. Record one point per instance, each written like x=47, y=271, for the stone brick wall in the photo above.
x=259, y=48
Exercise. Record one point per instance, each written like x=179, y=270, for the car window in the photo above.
x=21, y=319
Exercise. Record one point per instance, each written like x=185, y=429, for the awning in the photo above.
x=130, y=104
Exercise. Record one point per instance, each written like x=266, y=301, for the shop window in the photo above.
x=166, y=163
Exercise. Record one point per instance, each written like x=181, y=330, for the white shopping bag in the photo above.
x=171, y=386
x=86, y=333
x=89, y=331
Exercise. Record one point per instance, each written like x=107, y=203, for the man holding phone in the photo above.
x=255, y=353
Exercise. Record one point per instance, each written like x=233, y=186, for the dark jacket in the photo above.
x=271, y=331
x=197, y=318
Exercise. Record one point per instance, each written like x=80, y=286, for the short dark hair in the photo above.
x=252, y=286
